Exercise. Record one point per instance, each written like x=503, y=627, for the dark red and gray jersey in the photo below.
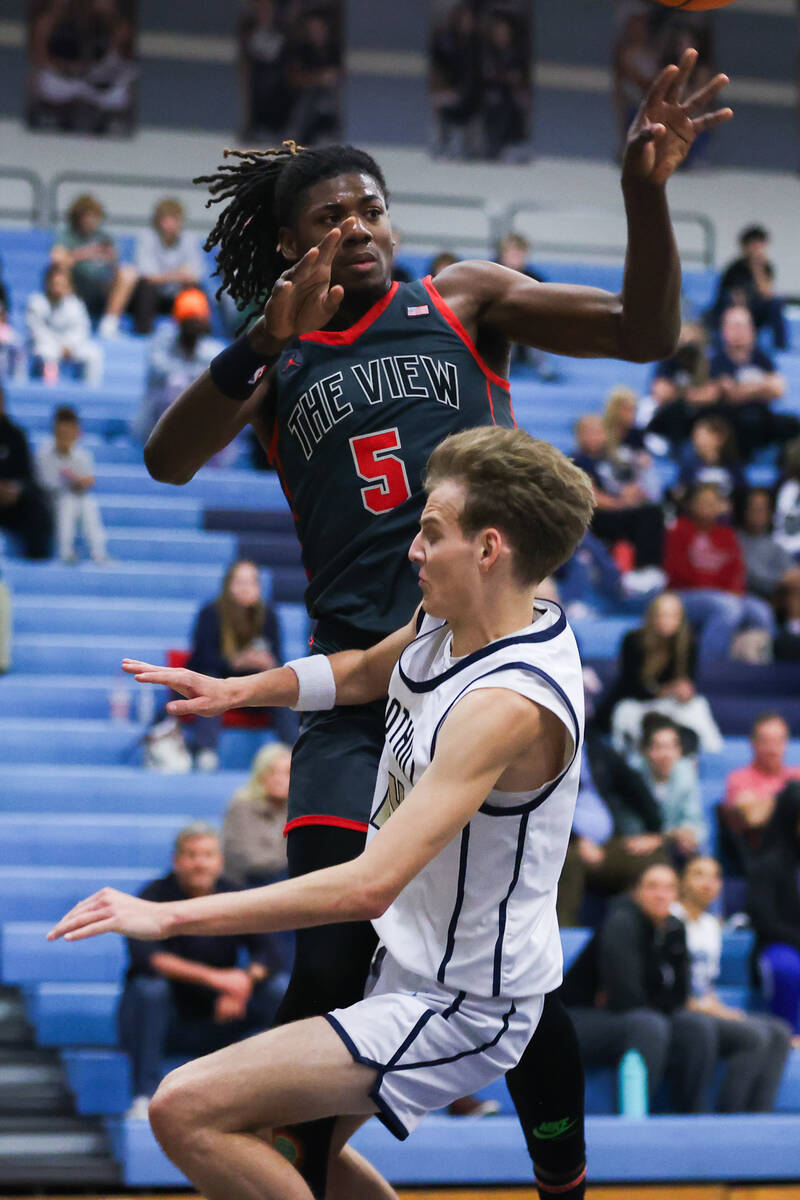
x=357, y=414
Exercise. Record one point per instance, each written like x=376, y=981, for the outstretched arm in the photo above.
x=486, y=733
x=643, y=321
x=360, y=676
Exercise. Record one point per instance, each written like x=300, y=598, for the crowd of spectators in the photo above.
x=291, y=69
x=480, y=78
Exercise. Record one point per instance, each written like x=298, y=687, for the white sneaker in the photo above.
x=108, y=327
x=206, y=760
x=139, y=1109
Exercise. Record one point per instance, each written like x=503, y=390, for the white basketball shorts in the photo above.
x=429, y=1044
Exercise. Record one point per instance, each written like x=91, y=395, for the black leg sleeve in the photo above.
x=547, y=1087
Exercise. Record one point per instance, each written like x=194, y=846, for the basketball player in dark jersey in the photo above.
x=349, y=382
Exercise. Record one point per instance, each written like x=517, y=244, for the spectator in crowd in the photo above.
x=656, y=672
x=236, y=634
x=771, y=570
x=592, y=568
x=681, y=387
x=180, y=351
x=65, y=470
x=445, y=258
x=624, y=508
x=188, y=995
x=455, y=81
x=5, y=627
x=262, y=70
x=314, y=73
x=513, y=252
x=774, y=908
x=751, y=792
x=672, y=779
x=10, y=343
x=505, y=80
x=704, y=564
x=619, y=418
x=755, y=1046
x=604, y=854
x=711, y=457
x=628, y=990
x=167, y=261
x=747, y=383
x=635, y=65
x=787, y=502
x=749, y=281
x=103, y=283
x=253, y=844
x=60, y=333
x=23, y=505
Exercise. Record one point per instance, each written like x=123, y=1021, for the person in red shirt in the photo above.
x=750, y=792
x=704, y=564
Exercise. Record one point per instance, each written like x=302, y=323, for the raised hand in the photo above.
x=110, y=911
x=666, y=125
x=205, y=696
x=302, y=299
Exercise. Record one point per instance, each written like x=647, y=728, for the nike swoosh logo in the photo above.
x=553, y=1129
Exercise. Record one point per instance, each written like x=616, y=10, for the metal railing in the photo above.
x=35, y=210
x=485, y=222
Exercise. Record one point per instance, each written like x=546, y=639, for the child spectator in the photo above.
x=167, y=261
x=673, y=781
x=253, y=844
x=10, y=344
x=787, y=502
x=747, y=383
x=704, y=564
x=760, y=1043
x=624, y=510
x=23, y=505
x=656, y=673
x=66, y=469
x=750, y=281
x=711, y=458
x=179, y=353
x=84, y=248
x=59, y=331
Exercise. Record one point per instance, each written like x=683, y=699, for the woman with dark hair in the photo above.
x=235, y=634
x=656, y=673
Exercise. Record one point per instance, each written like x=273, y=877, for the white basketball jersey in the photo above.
x=481, y=917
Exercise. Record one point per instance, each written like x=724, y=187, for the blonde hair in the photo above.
x=658, y=650
x=617, y=398
x=264, y=760
x=168, y=207
x=524, y=487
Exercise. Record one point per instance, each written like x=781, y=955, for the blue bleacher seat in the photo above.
x=42, y=787
x=88, y=839
x=26, y=957
x=46, y=893
x=100, y=1080
x=195, y=581
x=74, y=1014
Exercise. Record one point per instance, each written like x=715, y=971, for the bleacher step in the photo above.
x=32, y=1081
x=41, y=1151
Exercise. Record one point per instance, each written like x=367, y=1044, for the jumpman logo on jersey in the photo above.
x=294, y=360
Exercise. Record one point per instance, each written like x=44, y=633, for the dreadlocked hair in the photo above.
x=260, y=191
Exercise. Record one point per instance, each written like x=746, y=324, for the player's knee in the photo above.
x=174, y=1111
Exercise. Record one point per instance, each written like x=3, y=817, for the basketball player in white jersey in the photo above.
x=469, y=829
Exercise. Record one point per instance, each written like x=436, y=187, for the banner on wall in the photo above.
x=480, y=57
x=291, y=69
x=82, y=67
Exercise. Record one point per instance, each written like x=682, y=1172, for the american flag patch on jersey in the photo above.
x=417, y=310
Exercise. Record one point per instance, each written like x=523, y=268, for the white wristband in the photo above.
x=316, y=686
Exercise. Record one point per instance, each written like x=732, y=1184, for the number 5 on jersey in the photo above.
x=386, y=473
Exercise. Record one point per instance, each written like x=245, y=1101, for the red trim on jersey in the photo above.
x=339, y=822
x=491, y=401
x=346, y=337
x=457, y=327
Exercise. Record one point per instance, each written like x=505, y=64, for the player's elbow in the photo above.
x=374, y=897
x=161, y=469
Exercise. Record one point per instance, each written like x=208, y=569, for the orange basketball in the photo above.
x=694, y=5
